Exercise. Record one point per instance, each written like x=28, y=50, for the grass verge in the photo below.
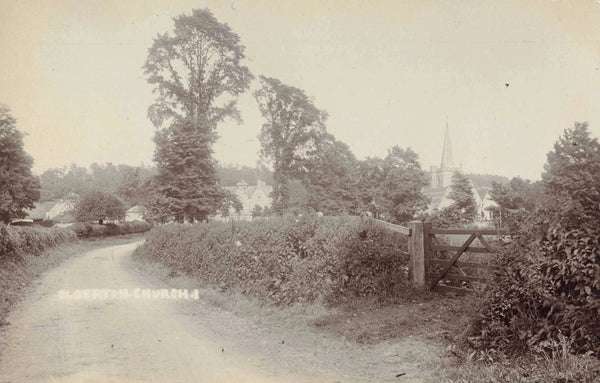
x=16, y=275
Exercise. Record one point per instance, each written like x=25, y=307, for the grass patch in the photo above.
x=426, y=315
x=465, y=366
x=16, y=274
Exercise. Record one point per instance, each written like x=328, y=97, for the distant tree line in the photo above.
x=127, y=182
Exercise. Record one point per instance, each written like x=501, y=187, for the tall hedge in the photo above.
x=17, y=241
x=285, y=259
x=85, y=230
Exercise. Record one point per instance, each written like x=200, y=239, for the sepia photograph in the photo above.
x=299, y=191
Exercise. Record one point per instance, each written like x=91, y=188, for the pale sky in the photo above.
x=387, y=72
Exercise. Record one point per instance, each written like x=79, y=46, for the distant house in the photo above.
x=37, y=215
x=136, y=213
x=489, y=208
x=250, y=196
x=60, y=212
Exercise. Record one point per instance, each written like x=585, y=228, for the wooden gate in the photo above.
x=436, y=256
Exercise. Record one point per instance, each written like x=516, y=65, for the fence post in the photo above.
x=418, y=249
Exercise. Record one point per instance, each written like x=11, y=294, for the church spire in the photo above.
x=447, y=158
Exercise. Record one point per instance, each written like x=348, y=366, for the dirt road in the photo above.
x=102, y=338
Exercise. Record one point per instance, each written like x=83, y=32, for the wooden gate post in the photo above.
x=418, y=249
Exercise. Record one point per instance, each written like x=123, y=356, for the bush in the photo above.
x=549, y=281
x=545, y=288
x=89, y=230
x=286, y=260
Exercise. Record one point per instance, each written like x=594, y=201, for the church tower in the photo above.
x=442, y=177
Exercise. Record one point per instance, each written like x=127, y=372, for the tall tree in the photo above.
x=19, y=189
x=197, y=73
x=461, y=192
x=572, y=176
x=187, y=176
x=98, y=206
x=290, y=135
x=392, y=188
x=518, y=195
x=331, y=178
x=403, y=184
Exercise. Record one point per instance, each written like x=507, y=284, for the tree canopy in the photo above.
x=19, y=189
x=187, y=179
x=129, y=182
x=331, y=178
x=290, y=136
x=571, y=177
x=461, y=192
x=98, y=206
x=516, y=197
x=192, y=69
x=198, y=73
x=392, y=188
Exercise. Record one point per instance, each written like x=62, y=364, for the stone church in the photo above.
x=441, y=180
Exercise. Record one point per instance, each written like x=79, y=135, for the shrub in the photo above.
x=286, y=260
x=89, y=230
x=545, y=288
x=549, y=280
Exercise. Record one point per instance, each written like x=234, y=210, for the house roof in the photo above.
x=39, y=210
x=482, y=191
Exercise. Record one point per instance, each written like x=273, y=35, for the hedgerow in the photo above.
x=17, y=241
x=285, y=259
x=89, y=230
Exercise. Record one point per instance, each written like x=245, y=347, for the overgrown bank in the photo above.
x=286, y=260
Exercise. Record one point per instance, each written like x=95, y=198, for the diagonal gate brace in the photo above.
x=454, y=259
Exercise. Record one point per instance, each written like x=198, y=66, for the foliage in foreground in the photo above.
x=548, y=284
x=286, y=260
x=17, y=241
